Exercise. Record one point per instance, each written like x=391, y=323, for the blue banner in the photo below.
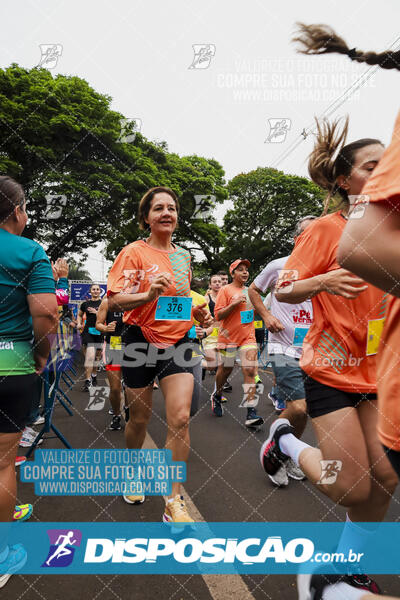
x=103, y=472
x=202, y=548
x=79, y=290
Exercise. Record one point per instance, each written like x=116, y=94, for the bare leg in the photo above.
x=383, y=478
x=341, y=440
x=139, y=402
x=8, y=483
x=221, y=377
x=89, y=361
x=296, y=413
x=248, y=361
x=114, y=379
x=177, y=390
x=210, y=359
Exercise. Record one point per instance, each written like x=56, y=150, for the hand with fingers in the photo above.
x=159, y=285
x=274, y=325
x=341, y=282
x=236, y=300
x=62, y=267
x=202, y=315
x=111, y=326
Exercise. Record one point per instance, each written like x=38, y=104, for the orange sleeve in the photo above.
x=124, y=270
x=384, y=183
x=313, y=254
x=221, y=301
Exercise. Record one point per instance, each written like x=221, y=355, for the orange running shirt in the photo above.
x=133, y=272
x=384, y=185
x=232, y=333
x=340, y=347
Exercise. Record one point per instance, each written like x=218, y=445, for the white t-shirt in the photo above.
x=296, y=318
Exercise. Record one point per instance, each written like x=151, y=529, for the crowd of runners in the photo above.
x=329, y=313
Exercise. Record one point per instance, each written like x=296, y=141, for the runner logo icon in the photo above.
x=330, y=469
x=63, y=543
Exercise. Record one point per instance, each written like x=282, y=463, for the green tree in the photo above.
x=200, y=186
x=78, y=271
x=266, y=207
x=83, y=182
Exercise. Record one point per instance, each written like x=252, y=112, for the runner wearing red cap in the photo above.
x=235, y=314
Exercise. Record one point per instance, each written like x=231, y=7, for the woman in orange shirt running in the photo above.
x=338, y=354
x=343, y=342
x=361, y=250
x=150, y=282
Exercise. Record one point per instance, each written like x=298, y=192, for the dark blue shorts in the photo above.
x=289, y=377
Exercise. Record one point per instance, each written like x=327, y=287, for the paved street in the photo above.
x=225, y=483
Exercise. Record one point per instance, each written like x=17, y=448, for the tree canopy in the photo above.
x=83, y=184
x=266, y=207
x=83, y=179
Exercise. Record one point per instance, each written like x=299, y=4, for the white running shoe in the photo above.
x=280, y=478
x=28, y=438
x=294, y=471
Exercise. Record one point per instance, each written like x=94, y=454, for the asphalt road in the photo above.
x=225, y=482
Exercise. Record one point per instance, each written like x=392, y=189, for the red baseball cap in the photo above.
x=238, y=262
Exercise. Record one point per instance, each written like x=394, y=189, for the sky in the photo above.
x=147, y=56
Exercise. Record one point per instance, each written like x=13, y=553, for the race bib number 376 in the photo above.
x=174, y=308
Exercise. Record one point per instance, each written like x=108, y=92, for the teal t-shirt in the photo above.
x=24, y=269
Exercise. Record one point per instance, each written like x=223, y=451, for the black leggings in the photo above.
x=394, y=458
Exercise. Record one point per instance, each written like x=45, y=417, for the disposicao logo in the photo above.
x=190, y=550
x=63, y=543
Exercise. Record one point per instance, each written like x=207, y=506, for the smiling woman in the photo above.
x=150, y=282
x=147, y=206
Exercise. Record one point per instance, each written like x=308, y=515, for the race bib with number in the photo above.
x=299, y=335
x=115, y=342
x=258, y=324
x=246, y=316
x=94, y=331
x=375, y=328
x=174, y=308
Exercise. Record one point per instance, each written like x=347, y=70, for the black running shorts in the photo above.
x=91, y=340
x=16, y=396
x=143, y=362
x=322, y=399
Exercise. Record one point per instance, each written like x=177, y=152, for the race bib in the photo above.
x=115, y=342
x=174, y=308
x=375, y=328
x=258, y=324
x=246, y=316
x=94, y=331
x=192, y=333
x=299, y=335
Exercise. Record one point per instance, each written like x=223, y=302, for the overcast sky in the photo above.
x=140, y=53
